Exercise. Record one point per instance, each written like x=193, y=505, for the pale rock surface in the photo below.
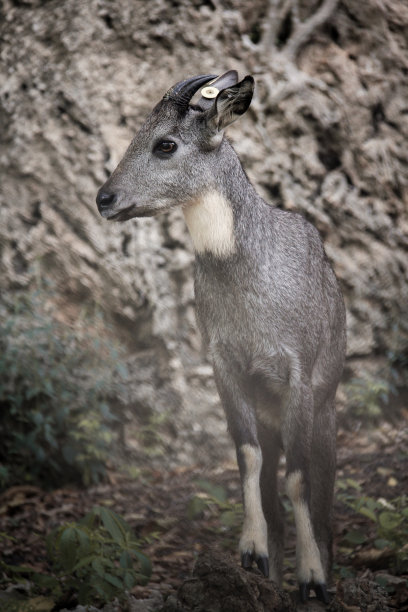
x=77, y=79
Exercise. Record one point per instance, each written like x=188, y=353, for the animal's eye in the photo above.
x=165, y=147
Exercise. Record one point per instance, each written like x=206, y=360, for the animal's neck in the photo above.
x=219, y=217
x=210, y=221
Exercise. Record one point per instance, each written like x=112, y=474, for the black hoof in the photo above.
x=321, y=593
x=263, y=565
x=246, y=560
x=319, y=589
x=304, y=590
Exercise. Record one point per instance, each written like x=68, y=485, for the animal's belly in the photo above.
x=264, y=370
x=270, y=375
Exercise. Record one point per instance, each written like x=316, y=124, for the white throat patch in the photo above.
x=210, y=222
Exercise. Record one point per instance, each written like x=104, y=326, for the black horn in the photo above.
x=182, y=92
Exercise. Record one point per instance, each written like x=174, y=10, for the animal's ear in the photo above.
x=210, y=92
x=230, y=104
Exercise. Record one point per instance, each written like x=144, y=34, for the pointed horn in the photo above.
x=182, y=92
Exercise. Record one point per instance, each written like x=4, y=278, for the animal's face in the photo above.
x=173, y=157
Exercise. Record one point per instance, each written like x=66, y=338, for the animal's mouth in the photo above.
x=132, y=211
x=129, y=213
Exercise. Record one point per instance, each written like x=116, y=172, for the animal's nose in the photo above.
x=105, y=200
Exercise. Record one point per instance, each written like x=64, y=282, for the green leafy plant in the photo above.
x=150, y=435
x=98, y=558
x=389, y=519
x=94, y=560
x=56, y=384
x=367, y=396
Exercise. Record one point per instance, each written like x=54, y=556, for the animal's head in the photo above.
x=173, y=158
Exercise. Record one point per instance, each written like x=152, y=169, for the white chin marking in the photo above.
x=210, y=222
x=309, y=565
x=254, y=532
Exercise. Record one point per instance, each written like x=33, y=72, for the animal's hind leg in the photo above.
x=323, y=470
x=297, y=431
x=271, y=447
x=241, y=419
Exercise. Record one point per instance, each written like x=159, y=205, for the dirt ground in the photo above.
x=159, y=507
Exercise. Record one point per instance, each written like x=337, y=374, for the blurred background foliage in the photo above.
x=60, y=387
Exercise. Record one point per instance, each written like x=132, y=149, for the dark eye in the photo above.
x=165, y=148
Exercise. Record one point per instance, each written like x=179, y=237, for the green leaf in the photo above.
x=85, y=547
x=372, y=504
x=68, y=548
x=217, y=492
x=97, y=565
x=113, y=525
x=195, y=507
x=369, y=513
x=353, y=483
x=103, y=588
x=125, y=560
x=389, y=520
x=84, y=561
x=145, y=563
x=113, y=580
x=129, y=580
x=229, y=518
x=355, y=537
x=90, y=519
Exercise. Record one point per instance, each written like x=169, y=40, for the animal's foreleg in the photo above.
x=253, y=544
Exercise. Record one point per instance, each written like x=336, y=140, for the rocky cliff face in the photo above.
x=326, y=136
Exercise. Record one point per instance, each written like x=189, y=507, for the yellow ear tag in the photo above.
x=210, y=92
